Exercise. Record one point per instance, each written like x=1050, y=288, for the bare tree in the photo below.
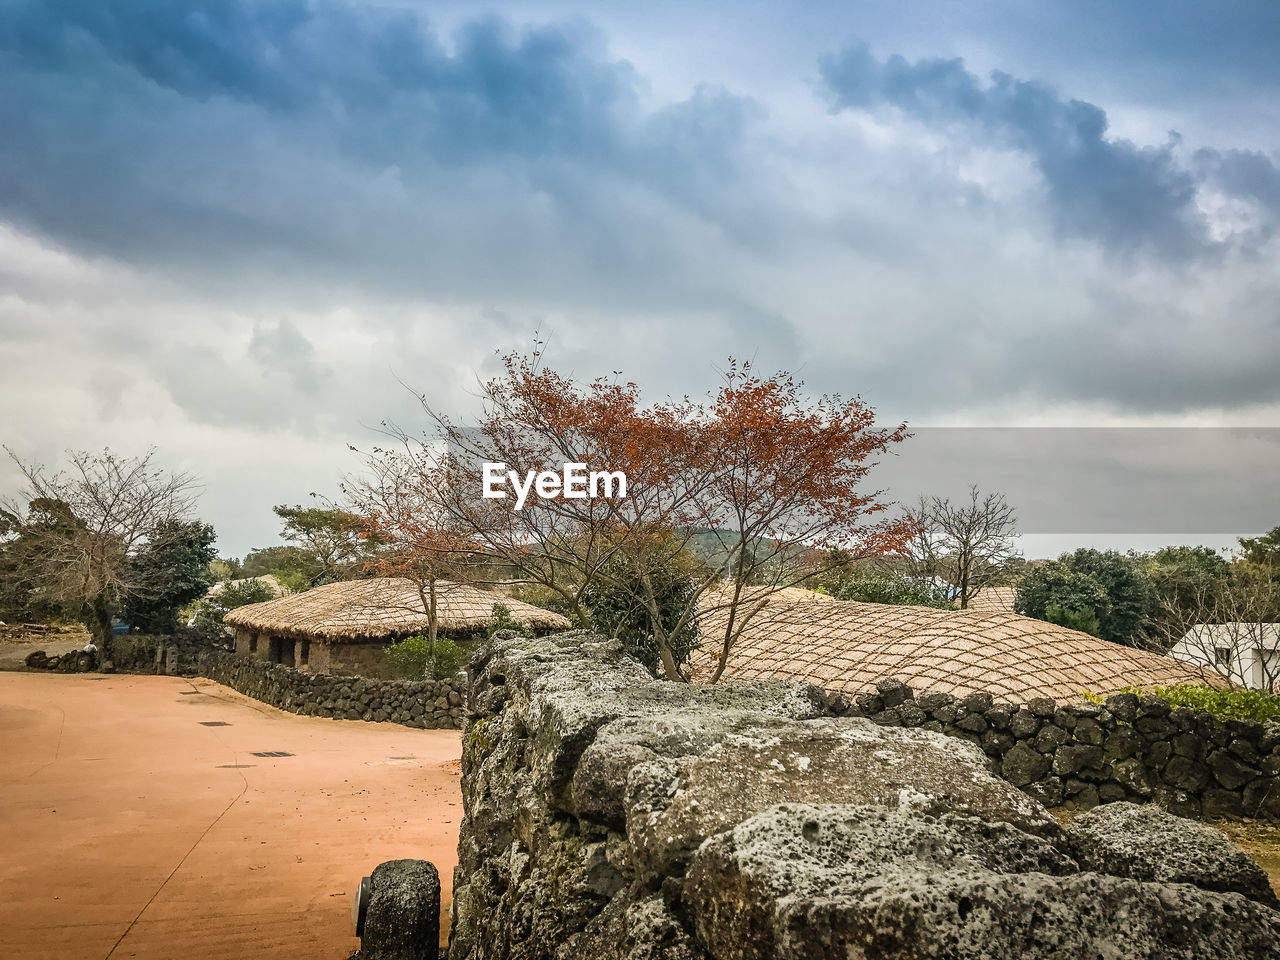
x=86, y=523
x=965, y=544
x=401, y=501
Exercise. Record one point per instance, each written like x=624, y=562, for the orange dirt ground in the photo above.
x=129, y=830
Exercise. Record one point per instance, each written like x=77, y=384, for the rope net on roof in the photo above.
x=381, y=608
x=848, y=647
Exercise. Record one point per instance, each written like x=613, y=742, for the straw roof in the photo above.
x=848, y=647
x=994, y=600
x=382, y=608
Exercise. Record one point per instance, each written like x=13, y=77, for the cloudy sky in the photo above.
x=231, y=228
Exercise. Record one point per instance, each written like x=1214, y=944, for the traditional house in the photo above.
x=344, y=628
x=847, y=647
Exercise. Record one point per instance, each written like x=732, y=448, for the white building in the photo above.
x=1247, y=654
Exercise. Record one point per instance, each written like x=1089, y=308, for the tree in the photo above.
x=769, y=472
x=1263, y=551
x=1130, y=597
x=967, y=544
x=332, y=542
x=617, y=611
x=290, y=564
x=1083, y=619
x=1057, y=586
x=85, y=526
x=207, y=622
x=174, y=566
x=1184, y=581
x=1108, y=583
x=401, y=503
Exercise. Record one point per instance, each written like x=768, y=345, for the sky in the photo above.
x=241, y=231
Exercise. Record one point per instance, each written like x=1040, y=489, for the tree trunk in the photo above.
x=100, y=628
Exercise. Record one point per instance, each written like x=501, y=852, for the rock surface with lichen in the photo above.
x=611, y=815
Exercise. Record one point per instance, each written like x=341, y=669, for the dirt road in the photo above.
x=137, y=821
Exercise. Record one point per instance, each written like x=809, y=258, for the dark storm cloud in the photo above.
x=1099, y=187
x=269, y=138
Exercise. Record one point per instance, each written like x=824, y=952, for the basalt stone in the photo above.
x=1153, y=706
x=1154, y=727
x=1024, y=724
x=1086, y=797
x=1270, y=738
x=1121, y=743
x=1186, y=774
x=933, y=699
x=1245, y=751
x=972, y=723
x=1042, y=707
x=1212, y=729
x=1110, y=792
x=910, y=714
x=1123, y=706
x=1087, y=730
x=893, y=692
x=1230, y=771
x=1262, y=798
x=869, y=704
x=1180, y=803
x=672, y=808
x=1050, y=738
x=403, y=917
x=999, y=716
x=1146, y=843
x=1048, y=791
x=947, y=713
x=996, y=744
x=1189, y=745
x=888, y=717
x=1218, y=804
x=1157, y=754
x=1023, y=764
x=1132, y=775
x=1073, y=758
x=811, y=882
x=978, y=702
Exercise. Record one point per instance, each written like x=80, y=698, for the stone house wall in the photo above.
x=1128, y=748
x=429, y=704
x=611, y=816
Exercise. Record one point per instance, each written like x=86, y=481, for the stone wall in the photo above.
x=611, y=816
x=428, y=704
x=1128, y=748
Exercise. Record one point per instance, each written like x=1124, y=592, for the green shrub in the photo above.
x=617, y=611
x=448, y=660
x=414, y=659
x=1073, y=618
x=502, y=620
x=1235, y=704
x=873, y=587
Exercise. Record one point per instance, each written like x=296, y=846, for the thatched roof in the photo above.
x=848, y=647
x=382, y=608
x=994, y=600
